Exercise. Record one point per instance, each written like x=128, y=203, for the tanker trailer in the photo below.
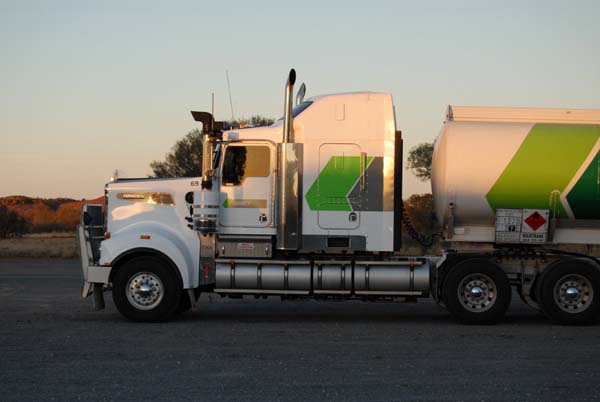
x=495, y=167
x=522, y=183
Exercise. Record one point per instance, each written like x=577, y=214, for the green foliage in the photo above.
x=419, y=208
x=185, y=158
x=11, y=224
x=419, y=160
x=255, y=121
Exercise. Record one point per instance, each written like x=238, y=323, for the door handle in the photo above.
x=363, y=173
x=262, y=217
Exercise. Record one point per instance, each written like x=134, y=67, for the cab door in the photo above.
x=247, y=177
x=339, y=185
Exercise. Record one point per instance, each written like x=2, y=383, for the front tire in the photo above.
x=477, y=291
x=145, y=289
x=570, y=292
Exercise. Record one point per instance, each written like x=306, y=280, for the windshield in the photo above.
x=299, y=109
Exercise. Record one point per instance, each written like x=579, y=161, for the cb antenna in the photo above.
x=212, y=110
x=230, y=101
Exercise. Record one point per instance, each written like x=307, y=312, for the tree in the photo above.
x=11, y=224
x=255, y=121
x=420, y=220
x=185, y=158
x=419, y=160
x=419, y=208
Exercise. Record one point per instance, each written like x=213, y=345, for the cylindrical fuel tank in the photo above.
x=266, y=276
x=333, y=277
x=407, y=276
x=491, y=158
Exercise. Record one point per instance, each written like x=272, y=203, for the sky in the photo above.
x=88, y=87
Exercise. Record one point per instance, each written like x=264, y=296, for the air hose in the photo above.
x=423, y=240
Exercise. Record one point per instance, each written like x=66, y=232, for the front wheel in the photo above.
x=477, y=291
x=144, y=289
x=570, y=292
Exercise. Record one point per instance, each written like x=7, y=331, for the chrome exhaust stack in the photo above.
x=289, y=178
x=288, y=126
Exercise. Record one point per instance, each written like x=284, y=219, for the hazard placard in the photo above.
x=535, y=225
x=508, y=225
x=521, y=225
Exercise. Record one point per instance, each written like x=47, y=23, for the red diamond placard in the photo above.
x=535, y=221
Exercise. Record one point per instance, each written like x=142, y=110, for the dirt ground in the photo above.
x=61, y=245
x=64, y=245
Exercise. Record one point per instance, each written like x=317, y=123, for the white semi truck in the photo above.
x=311, y=207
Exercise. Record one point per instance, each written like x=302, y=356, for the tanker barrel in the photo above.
x=491, y=164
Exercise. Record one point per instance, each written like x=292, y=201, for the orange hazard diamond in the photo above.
x=535, y=221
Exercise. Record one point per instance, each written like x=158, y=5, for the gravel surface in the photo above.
x=54, y=347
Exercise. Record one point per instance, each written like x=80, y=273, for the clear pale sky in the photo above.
x=89, y=87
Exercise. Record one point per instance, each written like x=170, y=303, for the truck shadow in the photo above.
x=276, y=315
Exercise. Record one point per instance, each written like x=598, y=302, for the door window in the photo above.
x=241, y=162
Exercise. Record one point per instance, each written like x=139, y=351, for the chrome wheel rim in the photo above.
x=573, y=293
x=477, y=293
x=144, y=291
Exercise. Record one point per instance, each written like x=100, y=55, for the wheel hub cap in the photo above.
x=573, y=293
x=144, y=291
x=477, y=292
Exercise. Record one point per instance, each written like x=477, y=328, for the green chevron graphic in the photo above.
x=329, y=192
x=584, y=197
x=547, y=160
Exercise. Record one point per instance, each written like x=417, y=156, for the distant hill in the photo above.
x=47, y=213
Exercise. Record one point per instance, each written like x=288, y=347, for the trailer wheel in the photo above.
x=477, y=291
x=570, y=292
x=146, y=290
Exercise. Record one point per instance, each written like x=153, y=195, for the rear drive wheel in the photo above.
x=570, y=292
x=477, y=291
x=146, y=290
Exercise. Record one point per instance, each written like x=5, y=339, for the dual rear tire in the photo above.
x=569, y=292
x=477, y=291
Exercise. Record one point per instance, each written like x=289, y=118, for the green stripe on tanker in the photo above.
x=547, y=160
x=584, y=197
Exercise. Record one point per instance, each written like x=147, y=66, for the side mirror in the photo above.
x=87, y=218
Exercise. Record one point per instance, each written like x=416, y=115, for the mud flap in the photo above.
x=98, y=293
